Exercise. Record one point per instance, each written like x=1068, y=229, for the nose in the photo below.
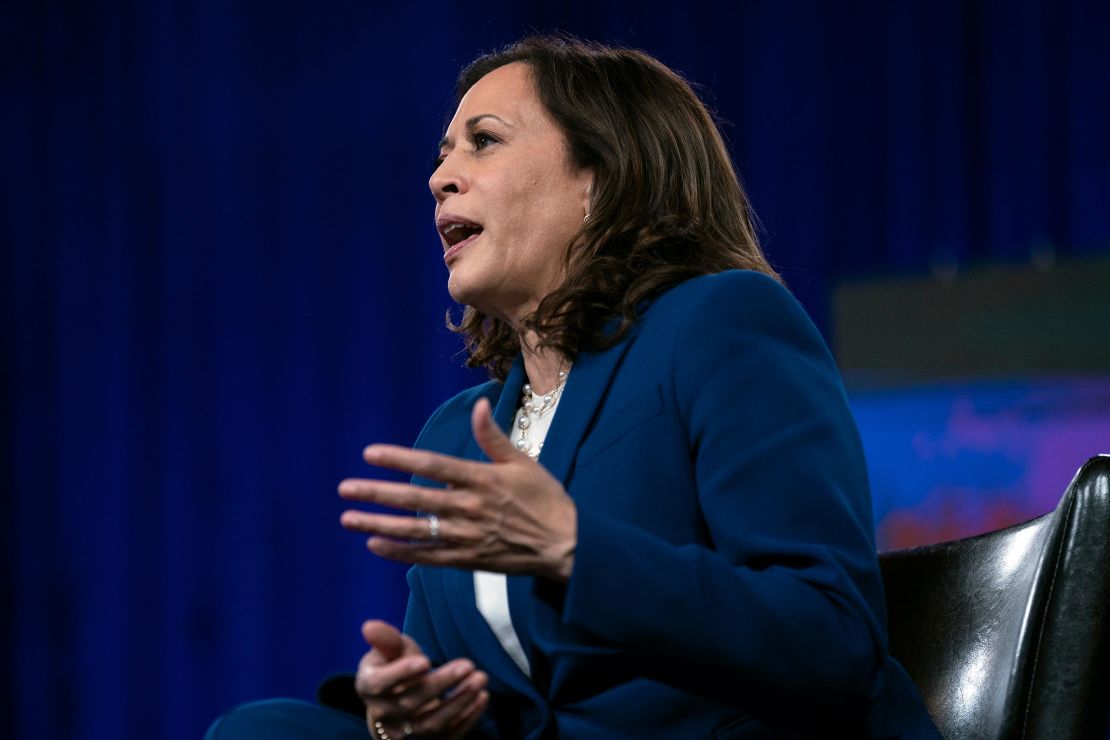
x=446, y=179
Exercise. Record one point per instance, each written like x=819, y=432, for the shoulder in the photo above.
x=744, y=288
x=733, y=301
x=441, y=431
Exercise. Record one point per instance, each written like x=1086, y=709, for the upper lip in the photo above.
x=446, y=224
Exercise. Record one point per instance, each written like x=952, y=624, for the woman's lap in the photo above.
x=287, y=719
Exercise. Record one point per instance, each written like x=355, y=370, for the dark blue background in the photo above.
x=220, y=280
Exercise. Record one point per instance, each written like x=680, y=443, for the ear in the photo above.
x=586, y=182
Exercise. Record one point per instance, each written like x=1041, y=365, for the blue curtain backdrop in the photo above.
x=220, y=280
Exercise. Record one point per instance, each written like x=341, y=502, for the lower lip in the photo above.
x=450, y=253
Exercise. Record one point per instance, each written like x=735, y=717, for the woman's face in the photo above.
x=508, y=199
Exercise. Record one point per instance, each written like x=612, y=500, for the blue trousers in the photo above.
x=287, y=719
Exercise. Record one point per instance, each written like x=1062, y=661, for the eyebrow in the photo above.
x=471, y=123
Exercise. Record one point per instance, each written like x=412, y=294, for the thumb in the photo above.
x=488, y=435
x=383, y=637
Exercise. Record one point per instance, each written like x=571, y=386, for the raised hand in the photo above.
x=508, y=515
x=405, y=697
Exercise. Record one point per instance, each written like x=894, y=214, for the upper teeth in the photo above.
x=451, y=227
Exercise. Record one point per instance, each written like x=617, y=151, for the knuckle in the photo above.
x=485, y=476
x=362, y=681
x=369, y=682
x=470, y=506
x=408, y=703
x=367, y=689
x=427, y=500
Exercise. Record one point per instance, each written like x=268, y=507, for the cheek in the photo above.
x=550, y=212
x=526, y=213
x=538, y=214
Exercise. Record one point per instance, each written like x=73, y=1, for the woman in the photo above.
x=664, y=463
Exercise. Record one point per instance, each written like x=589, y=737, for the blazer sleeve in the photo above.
x=418, y=623
x=418, y=619
x=784, y=605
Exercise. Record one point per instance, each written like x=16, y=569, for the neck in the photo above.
x=541, y=365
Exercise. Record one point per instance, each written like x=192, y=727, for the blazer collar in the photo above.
x=587, y=385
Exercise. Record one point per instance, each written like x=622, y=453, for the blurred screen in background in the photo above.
x=978, y=394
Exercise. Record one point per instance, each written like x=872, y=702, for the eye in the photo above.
x=437, y=161
x=482, y=140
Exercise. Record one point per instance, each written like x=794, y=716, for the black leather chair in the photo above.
x=1006, y=633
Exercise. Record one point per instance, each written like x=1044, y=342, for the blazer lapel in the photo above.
x=584, y=394
x=490, y=654
x=494, y=658
x=505, y=410
x=587, y=385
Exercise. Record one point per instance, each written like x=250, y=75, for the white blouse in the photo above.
x=491, y=589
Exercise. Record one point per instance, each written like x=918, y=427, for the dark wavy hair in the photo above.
x=667, y=204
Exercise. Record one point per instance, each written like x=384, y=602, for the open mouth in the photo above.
x=457, y=233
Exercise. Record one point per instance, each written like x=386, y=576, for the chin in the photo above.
x=466, y=294
x=472, y=298
x=458, y=290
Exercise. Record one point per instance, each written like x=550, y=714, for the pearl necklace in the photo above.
x=535, y=407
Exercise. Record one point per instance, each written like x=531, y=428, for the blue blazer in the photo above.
x=725, y=581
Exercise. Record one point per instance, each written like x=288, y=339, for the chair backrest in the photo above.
x=1006, y=634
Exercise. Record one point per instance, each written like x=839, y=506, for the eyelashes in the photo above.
x=480, y=139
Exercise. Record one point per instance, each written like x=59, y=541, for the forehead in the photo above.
x=507, y=92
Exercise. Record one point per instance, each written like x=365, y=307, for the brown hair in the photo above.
x=667, y=204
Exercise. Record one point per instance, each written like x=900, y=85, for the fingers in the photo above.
x=434, y=703
x=470, y=716
x=497, y=446
x=397, y=684
x=394, y=660
x=385, y=638
x=431, y=465
x=398, y=527
x=404, y=552
x=457, y=712
x=428, y=691
x=396, y=495
x=449, y=554
x=375, y=679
